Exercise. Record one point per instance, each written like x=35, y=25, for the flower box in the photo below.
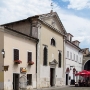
x=17, y=61
x=30, y=62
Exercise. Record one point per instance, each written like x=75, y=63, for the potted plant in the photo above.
x=17, y=61
x=30, y=62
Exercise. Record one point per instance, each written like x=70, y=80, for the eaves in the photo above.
x=22, y=34
x=70, y=43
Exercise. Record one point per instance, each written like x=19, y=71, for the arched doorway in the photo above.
x=87, y=65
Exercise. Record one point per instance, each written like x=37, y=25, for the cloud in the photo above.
x=78, y=4
x=78, y=27
x=13, y=10
x=19, y=9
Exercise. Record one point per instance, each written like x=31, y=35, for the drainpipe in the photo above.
x=36, y=65
x=36, y=47
x=64, y=61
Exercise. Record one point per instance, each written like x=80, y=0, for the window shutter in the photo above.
x=16, y=54
x=29, y=56
x=29, y=79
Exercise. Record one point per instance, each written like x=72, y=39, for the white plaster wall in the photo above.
x=44, y=71
x=59, y=73
x=11, y=42
x=71, y=62
x=45, y=76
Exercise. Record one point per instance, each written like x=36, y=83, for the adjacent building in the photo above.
x=18, y=60
x=74, y=57
x=86, y=59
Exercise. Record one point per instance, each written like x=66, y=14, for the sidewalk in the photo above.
x=50, y=88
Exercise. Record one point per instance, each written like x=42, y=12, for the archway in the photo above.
x=87, y=65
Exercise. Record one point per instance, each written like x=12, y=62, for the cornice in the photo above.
x=68, y=42
x=51, y=27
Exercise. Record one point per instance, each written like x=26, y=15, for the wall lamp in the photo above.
x=71, y=67
x=3, y=53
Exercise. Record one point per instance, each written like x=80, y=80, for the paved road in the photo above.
x=68, y=88
x=74, y=88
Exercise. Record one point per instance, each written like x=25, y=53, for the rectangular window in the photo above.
x=77, y=58
x=70, y=55
x=67, y=54
x=29, y=56
x=70, y=39
x=80, y=61
x=16, y=54
x=74, y=57
x=29, y=79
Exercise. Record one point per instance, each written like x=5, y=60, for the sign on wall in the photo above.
x=23, y=70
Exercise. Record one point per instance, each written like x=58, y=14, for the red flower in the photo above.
x=30, y=62
x=17, y=61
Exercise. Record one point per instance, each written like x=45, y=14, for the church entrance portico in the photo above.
x=53, y=72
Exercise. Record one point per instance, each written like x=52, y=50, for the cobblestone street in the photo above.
x=74, y=88
x=68, y=88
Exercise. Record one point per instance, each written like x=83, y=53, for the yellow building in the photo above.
x=50, y=61
x=18, y=60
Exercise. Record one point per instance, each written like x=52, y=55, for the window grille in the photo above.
x=16, y=54
x=29, y=79
x=29, y=56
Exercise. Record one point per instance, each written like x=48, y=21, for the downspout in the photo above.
x=36, y=48
x=36, y=62
x=64, y=62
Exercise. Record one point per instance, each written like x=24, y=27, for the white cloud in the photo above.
x=77, y=26
x=78, y=4
x=19, y=9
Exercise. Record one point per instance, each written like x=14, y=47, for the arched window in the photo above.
x=59, y=59
x=45, y=56
x=53, y=43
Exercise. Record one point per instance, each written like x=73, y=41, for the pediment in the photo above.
x=53, y=20
x=54, y=62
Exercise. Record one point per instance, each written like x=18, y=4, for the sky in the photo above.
x=74, y=14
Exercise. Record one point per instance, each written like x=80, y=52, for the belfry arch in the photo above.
x=87, y=65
